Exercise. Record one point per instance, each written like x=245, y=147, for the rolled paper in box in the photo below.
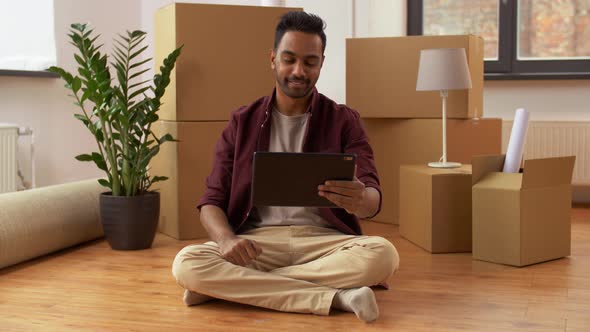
x=516, y=142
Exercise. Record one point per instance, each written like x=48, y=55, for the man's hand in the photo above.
x=352, y=196
x=239, y=251
x=348, y=195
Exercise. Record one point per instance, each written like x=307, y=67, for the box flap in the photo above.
x=484, y=164
x=500, y=181
x=548, y=172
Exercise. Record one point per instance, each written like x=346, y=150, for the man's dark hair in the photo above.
x=300, y=21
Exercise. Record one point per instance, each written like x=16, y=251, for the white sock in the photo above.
x=361, y=301
x=192, y=298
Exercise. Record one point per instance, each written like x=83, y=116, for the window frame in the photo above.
x=27, y=73
x=508, y=67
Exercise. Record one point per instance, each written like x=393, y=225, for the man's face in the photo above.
x=297, y=63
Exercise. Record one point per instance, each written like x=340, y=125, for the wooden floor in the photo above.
x=92, y=287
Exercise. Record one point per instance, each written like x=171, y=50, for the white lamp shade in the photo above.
x=272, y=3
x=443, y=69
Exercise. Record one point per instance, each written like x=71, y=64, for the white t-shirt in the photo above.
x=286, y=135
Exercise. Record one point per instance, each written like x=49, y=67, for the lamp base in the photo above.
x=439, y=164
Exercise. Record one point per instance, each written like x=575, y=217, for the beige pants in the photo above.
x=300, y=269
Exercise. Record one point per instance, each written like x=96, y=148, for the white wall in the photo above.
x=336, y=14
x=547, y=100
x=379, y=18
x=42, y=103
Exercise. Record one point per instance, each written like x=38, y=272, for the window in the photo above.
x=27, y=38
x=523, y=39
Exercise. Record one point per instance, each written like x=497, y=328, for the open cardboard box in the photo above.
x=521, y=218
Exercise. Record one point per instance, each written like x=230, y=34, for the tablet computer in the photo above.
x=292, y=179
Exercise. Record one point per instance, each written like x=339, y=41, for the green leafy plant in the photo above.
x=118, y=112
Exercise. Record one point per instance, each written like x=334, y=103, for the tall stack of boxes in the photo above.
x=404, y=125
x=224, y=64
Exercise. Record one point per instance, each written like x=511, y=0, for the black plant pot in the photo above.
x=130, y=223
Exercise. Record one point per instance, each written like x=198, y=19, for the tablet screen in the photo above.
x=292, y=179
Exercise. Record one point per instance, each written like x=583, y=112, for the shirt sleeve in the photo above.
x=356, y=142
x=218, y=183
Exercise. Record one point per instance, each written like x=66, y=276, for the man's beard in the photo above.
x=299, y=93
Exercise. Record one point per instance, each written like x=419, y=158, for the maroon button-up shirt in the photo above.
x=332, y=128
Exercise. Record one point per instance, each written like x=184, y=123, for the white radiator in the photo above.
x=8, y=168
x=556, y=139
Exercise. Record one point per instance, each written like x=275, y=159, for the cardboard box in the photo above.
x=435, y=207
x=225, y=62
x=381, y=78
x=419, y=141
x=187, y=164
x=521, y=218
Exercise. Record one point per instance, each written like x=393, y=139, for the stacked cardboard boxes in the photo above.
x=515, y=219
x=404, y=125
x=399, y=142
x=187, y=164
x=224, y=64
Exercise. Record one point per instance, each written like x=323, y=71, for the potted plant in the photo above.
x=119, y=114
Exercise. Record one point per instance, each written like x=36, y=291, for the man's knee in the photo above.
x=179, y=264
x=185, y=267
x=386, y=260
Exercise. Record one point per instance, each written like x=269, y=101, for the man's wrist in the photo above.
x=226, y=237
x=370, y=203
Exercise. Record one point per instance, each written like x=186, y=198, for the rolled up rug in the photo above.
x=40, y=221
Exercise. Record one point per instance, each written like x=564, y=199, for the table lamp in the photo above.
x=443, y=69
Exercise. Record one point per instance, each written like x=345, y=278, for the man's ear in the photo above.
x=323, y=59
x=272, y=59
